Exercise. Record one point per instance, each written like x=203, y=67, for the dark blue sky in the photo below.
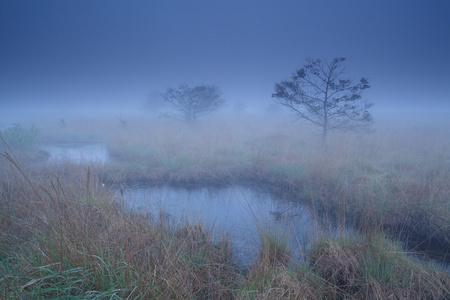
x=108, y=55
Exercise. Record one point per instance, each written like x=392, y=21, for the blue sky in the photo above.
x=108, y=55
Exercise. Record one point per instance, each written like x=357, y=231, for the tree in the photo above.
x=319, y=94
x=189, y=103
x=239, y=107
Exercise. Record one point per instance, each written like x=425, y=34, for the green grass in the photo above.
x=395, y=178
x=63, y=235
x=67, y=244
x=373, y=267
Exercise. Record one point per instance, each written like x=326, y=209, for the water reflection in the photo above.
x=77, y=152
x=240, y=212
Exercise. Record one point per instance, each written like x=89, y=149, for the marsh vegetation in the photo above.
x=68, y=228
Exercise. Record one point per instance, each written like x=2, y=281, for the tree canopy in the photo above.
x=319, y=93
x=189, y=103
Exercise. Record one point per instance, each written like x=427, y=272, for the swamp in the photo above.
x=247, y=209
x=203, y=149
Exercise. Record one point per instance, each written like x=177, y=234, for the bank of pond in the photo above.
x=242, y=211
x=71, y=229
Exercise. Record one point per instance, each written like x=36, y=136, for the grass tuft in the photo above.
x=64, y=235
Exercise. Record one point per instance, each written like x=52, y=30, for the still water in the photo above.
x=239, y=212
x=77, y=152
x=242, y=213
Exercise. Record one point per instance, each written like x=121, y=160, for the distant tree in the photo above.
x=21, y=138
x=62, y=123
x=189, y=103
x=122, y=121
x=239, y=107
x=319, y=94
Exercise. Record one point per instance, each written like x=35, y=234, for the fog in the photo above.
x=83, y=58
x=224, y=149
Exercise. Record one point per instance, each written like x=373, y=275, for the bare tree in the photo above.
x=319, y=94
x=189, y=103
x=239, y=107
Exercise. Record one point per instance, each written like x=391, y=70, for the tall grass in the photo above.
x=373, y=267
x=63, y=234
x=397, y=179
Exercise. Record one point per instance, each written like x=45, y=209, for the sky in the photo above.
x=108, y=56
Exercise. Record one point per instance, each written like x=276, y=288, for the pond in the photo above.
x=77, y=152
x=239, y=212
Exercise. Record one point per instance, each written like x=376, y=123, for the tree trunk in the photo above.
x=325, y=122
x=324, y=135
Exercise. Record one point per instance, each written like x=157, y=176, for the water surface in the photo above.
x=240, y=212
x=77, y=152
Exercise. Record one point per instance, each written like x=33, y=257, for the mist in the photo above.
x=224, y=149
x=83, y=58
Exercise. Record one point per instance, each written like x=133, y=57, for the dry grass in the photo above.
x=397, y=178
x=374, y=268
x=65, y=235
x=62, y=233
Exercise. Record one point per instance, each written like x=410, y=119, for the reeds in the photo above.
x=372, y=267
x=395, y=178
x=64, y=235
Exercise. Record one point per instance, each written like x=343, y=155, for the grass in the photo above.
x=63, y=234
x=397, y=179
x=373, y=267
x=75, y=240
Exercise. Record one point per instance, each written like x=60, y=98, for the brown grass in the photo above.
x=374, y=268
x=65, y=235
x=397, y=178
x=62, y=233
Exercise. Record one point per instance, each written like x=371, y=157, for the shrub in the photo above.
x=21, y=138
